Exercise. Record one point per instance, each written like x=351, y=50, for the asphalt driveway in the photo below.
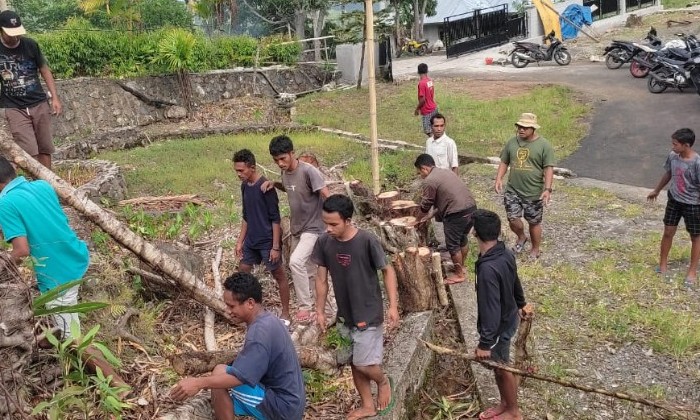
x=630, y=129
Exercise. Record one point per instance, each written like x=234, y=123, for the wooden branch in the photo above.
x=438, y=279
x=209, y=316
x=199, y=362
x=184, y=198
x=156, y=102
x=122, y=326
x=674, y=408
x=143, y=249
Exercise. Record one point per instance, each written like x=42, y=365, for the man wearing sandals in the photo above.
x=306, y=191
x=260, y=240
x=531, y=161
x=500, y=304
x=352, y=257
x=683, y=171
x=453, y=205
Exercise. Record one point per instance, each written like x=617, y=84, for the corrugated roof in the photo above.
x=446, y=8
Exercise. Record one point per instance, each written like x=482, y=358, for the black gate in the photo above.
x=638, y=4
x=482, y=28
x=605, y=8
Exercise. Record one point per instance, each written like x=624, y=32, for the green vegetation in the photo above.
x=79, y=50
x=679, y=4
x=479, y=126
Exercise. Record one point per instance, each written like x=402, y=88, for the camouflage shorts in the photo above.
x=516, y=208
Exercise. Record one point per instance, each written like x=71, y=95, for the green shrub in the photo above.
x=79, y=50
x=279, y=49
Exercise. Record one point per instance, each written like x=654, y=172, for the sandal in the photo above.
x=519, y=246
x=689, y=283
x=489, y=413
x=386, y=410
x=666, y=275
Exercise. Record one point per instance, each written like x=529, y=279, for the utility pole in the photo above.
x=371, y=80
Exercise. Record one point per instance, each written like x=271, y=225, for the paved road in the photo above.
x=630, y=129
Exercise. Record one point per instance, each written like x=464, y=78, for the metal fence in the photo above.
x=482, y=28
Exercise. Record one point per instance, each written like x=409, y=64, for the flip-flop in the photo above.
x=392, y=401
x=519, y=246
x=689, y=283
x=488, y=414
x=451, y=280
x=666, y=275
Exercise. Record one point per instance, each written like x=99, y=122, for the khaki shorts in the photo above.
x=31, y=128
x=367, y=344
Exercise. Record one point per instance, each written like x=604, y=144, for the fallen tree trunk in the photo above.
x=200, y=362
x=117, y=230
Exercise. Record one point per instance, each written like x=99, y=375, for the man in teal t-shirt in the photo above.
x=33, y=221
x=531, y=161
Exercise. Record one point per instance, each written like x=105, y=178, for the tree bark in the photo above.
x=413, y=274
x=16, y=337
x=117, y=230
x=319, y=21
x=421, y=19
x=416, y=19
x=299, y=24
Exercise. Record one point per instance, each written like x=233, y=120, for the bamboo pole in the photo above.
x=663, y=405
x=371, y=80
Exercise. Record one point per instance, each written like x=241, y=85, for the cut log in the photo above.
x=413, y=274
x=200, y=362
x=143, y=249
x=438, y=279
x=403, y=208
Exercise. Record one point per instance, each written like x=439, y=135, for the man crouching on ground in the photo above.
x=500, y=299
x=265, y=381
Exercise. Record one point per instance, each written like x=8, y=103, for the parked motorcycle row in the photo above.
x=675, y=63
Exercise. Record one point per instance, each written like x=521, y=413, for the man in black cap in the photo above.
x=27, y=109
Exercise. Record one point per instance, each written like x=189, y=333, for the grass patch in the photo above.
x=679, y=4
x=478, y=126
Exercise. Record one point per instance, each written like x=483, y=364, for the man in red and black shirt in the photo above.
x=426, y=99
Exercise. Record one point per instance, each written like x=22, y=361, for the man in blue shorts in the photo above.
x=265, y=380
x=352, y=257
x=260, y=240
x=500, y=301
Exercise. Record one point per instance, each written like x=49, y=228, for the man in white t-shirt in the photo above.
x=444, y=151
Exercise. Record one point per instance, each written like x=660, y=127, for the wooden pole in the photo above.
x=571, y=22
x=664, y=405
x=371, y=80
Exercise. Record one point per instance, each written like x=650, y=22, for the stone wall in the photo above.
x=94, y=105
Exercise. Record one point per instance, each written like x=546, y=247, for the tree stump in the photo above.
x=403, y=208
x=413, y=274
x=385, y=200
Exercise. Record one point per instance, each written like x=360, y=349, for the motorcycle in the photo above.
x=527, y=52
x=621, y=52
x=414, y=47
x=673, y=73
x=677, y=49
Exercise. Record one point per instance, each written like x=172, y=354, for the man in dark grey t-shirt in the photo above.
x=306, y=191
x=352, y=257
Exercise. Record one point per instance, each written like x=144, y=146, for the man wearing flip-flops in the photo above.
x=531, y=161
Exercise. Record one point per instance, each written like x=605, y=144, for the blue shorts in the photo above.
x=246, y=400
x=253, y=257
x=500, y=352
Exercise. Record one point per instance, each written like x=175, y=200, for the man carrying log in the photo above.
x=454, y=205
x=306, y=191
x=33, y=221
x=260, y=240
x=500, y=299
x=265, y=380
x=352, y=257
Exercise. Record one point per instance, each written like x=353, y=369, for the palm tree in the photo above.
x=122, y=12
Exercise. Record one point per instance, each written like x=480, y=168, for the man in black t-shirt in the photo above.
x=353, y=257
x=27, y=109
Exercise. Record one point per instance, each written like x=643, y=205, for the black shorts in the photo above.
x=675, y=210
x=501, y=351
x=457, y=227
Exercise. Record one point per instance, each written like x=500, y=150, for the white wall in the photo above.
x=348, y=57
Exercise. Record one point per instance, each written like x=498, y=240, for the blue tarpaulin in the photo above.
x=580, y=15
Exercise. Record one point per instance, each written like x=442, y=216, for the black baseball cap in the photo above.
x=11, y=23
